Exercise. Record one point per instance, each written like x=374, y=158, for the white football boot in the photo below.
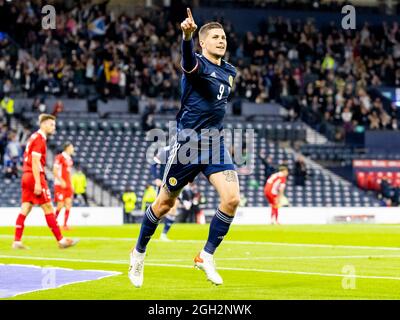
x=136, y=268
x=164, y=237
x=205, y=262
x=18, y=245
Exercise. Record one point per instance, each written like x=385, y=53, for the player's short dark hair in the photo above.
x=44, y=116
x=66, y=145
x=208, y=26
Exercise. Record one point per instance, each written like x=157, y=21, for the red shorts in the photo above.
x=60, y=194
x=28, y=187
x=272, y=198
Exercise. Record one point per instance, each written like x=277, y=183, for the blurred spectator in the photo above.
x=58, y=108
x=269, y=167
x=197, y=212
x=300, y=172
x=79, y=184
x=188, y=198
x=23, y=134
x=3, y=140
x=386, y=189
x=148, y=117
x=12, y=156
x=7, y=104
x=129, y=199
x=149, y=195
x=320, y=73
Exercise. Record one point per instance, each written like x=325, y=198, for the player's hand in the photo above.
x=188, y=26
x=63, y=184
x=38, y=189
x=158, y=182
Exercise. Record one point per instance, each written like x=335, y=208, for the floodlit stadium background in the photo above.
x=322, y=99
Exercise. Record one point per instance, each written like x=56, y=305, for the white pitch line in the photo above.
x=64, y=259
x=220, y=268
x=287, y=258
x=266, y=243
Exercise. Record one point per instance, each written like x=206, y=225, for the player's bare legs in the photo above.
x=51, y=222
x=26, y=208
x=68, y=206
x=164, y=202
x=63, y=243
x=227, y=185
x=60, y=205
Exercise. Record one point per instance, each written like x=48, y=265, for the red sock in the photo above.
x=57, y=213
x=19, y=227
x=66, y=215
x=52, y=223
x=274, y=213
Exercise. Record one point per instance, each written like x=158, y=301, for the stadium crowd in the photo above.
x=322, y=75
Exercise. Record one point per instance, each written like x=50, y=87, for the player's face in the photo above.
x=49, y=126
x=286, y=173
x=215, y=42
x=70, y=150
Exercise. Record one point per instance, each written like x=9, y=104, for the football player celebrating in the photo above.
x=206, y=84
x=63, y=192
x=34, y=185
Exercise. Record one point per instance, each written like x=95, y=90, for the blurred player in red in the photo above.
x=35, y=190
x=274, y=189
x=63, y=192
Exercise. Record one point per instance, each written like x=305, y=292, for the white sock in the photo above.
x=138, y=254
x=63, y=241
x=206, y=255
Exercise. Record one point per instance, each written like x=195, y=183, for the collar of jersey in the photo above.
x=42, y=134
x=66, y=155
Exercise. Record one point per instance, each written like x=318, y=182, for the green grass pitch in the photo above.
x=256, y=262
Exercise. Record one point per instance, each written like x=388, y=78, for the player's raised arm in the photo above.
x=189, y=61
x=188, y=26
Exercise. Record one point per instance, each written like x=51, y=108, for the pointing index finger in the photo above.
x=189, y=13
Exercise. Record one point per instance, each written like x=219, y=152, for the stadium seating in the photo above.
x=113, y=153
x=344, y=154
x=10, y=191
x=372, y=180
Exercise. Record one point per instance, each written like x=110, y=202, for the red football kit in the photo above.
x=36, y=146
x=63, y=164
x=275, y=183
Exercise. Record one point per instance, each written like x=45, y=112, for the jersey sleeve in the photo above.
x=37, y=148
x=57, y=162
x=191, y=62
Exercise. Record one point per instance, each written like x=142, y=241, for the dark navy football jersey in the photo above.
x=205, y=93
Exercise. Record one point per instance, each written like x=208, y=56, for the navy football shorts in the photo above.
x=183, y=167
